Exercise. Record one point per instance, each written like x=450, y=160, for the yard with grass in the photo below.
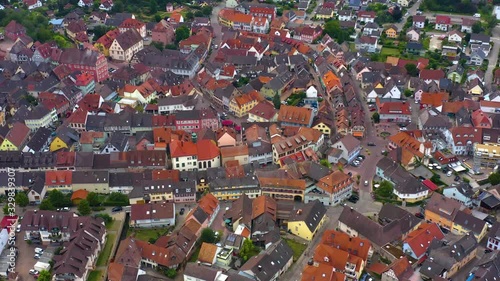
x=148, y=234
x=106, y=252
x=94, y=275
x=390, y=52
x=297, y=248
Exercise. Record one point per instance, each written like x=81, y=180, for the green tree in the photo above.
x=58, y=199
x=494, y=178
x=376, y=117
x=207, y=10
x=190, y=15
x=46, y=205
x=411, y=69
x=107, y=218
x=181, y=33
x=118, y=7
x=170, y=273
x=207, y=236
x=6, y=209
x=477, y=27
x=385, y=190
x=22, y=199
x=84, y=208
x=436, y=179
x=44, y=276
x=248, y=250
x=408, y=93
x=334, y=30
x=277, y=101
x=153, y=7
x=93, y=199
x=118, y=199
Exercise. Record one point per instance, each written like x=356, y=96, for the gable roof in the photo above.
x=442, y=206
x=311, y=214
x=420, y=239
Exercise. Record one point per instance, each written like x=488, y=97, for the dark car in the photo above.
x=371, y=144
x=182, y=211
x=457, y=178
x=117, y=209
x=419, y=215
x=353, y=199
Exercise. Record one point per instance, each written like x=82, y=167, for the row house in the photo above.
x=196, y=120
x=155, y=191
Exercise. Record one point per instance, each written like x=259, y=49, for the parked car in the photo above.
x=353, y=199
x=33, y=271
x=419, y=215
x=117, y=209
x=366, y=183
x=457, y=178
x=371, y=144
x=65, y=209
x=182, y=211
x=38, y=251
x=362, y=156
x=449, y=174
x=37, y=256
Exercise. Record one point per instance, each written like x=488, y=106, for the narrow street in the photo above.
x=493, y=59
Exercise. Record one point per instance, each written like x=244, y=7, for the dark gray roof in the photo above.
x=34, y=181
x=414, y=46
x=391, y=212
x=480, y=37
x=200, y=215
x=38, y=160
x=267, y=264
x=118, y=140
x=90, y=177
x=469, y=222
x=403, y=181
x=311, y=214
x=464, y=188
x=376, y=233
x=39, y=139
x=488, y=268
x=444, y=256
x=84, y=159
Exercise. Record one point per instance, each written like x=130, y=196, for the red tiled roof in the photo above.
x=79, y=194
x=55, y=178
x=395, y=108
x=431, y=74
x=208, y=204
x=420, y=239
x=440, y=19
x=18, y=134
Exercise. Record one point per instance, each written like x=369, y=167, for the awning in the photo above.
x=430, y=185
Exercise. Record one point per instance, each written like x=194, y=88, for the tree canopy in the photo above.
x=22, y=199
x=335, y=31
x=208, y=236
x=44, y=276
x=181, y=33
x=385, y=190
x=84, y=208
x=411, y=69
x=494, y=178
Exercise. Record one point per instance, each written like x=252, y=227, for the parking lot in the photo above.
x=25, y=260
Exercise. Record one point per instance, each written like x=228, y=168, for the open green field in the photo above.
x=389, y=52
x=94, y=275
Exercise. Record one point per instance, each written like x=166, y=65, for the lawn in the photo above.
x=389, y=52
x=94, y=275
x=297, y=248
x=195, y=255
x=147, y=234
x=104, y=256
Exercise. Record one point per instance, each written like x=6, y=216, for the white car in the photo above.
x=34, y=272
x=477, y=15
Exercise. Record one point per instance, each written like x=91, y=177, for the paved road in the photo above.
x=411, y=12
x=493, y=60
x=455, y=19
